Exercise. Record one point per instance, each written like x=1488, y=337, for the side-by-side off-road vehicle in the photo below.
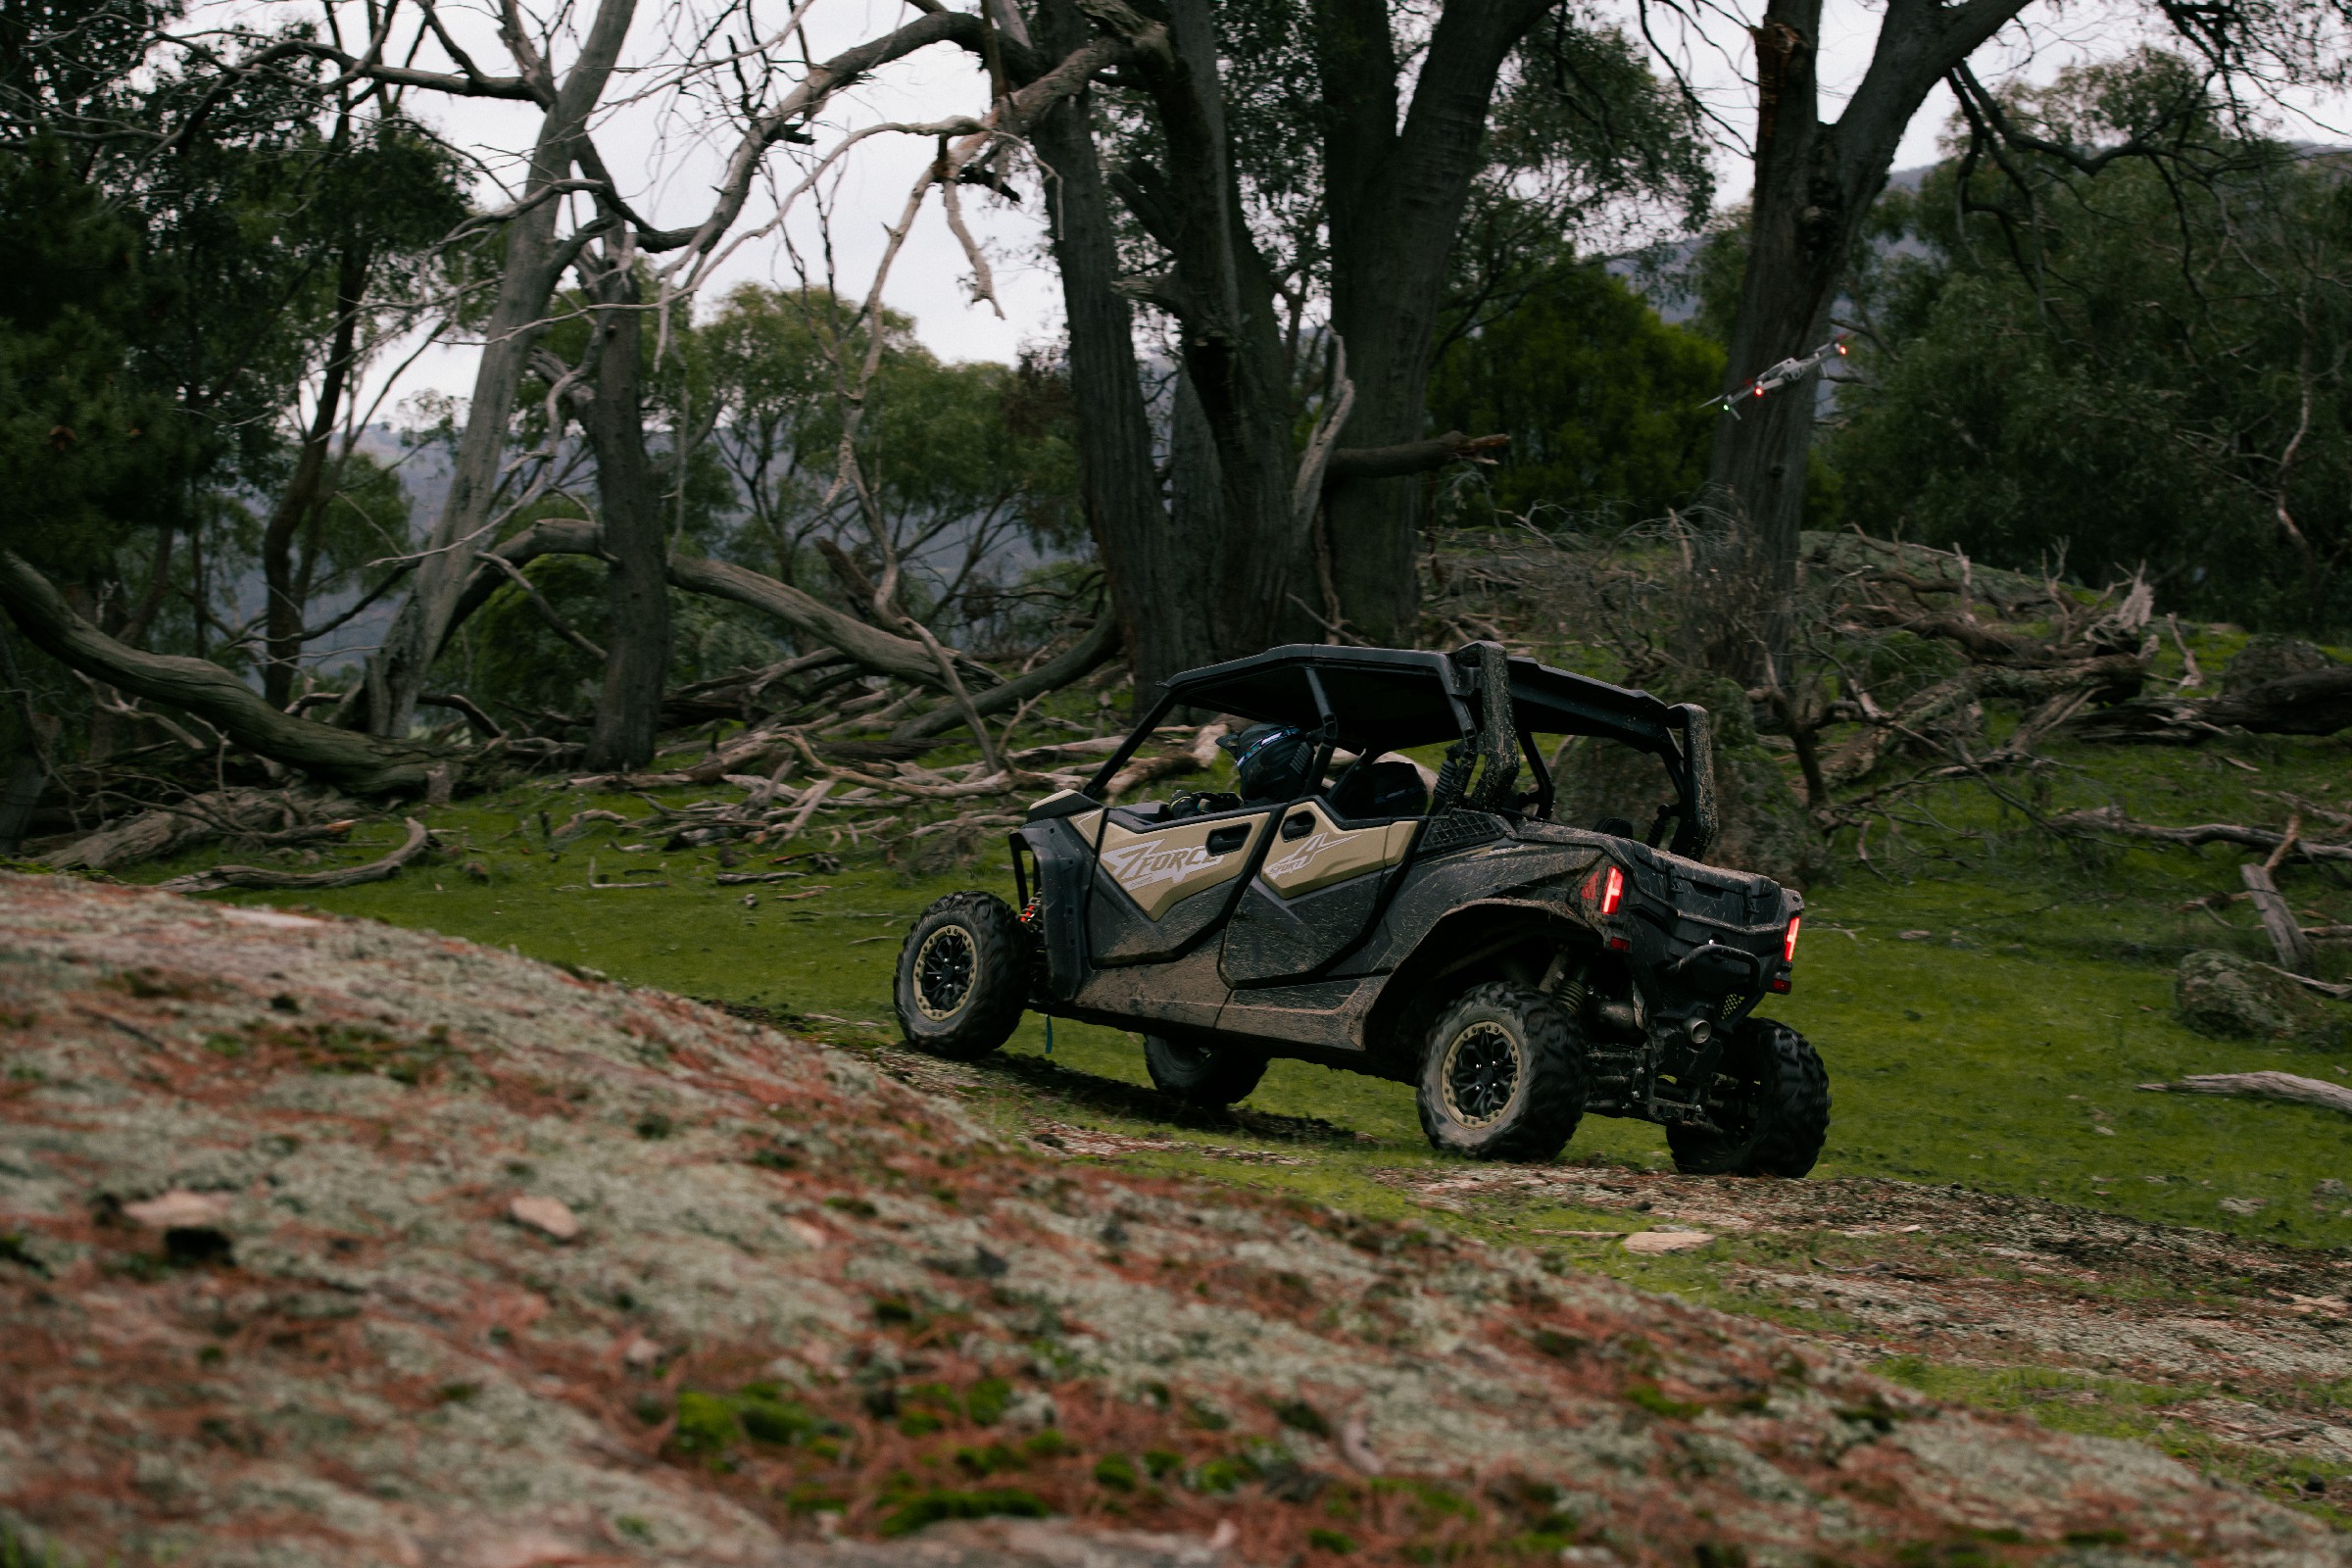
x=1345, y=909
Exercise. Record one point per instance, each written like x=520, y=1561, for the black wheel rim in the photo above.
x=944, y=966
x=1480, y=1074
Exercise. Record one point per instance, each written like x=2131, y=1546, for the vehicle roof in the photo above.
x=1388, y=699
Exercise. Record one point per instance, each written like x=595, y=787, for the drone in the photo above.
x=1779, y=375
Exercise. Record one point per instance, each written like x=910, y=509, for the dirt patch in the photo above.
x=800, y=1300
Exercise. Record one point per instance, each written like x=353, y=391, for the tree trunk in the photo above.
x=300, y=505
x=1815, y=185
x=637, y=585
x=1396, y=199
x=1157, y=582
x=385, y=700
x=1230, y=342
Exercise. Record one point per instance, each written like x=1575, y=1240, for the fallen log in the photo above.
x=250, y=816
x=2314, y=701
x=255, y=876
x=2262, y=1086
x=2111, y=820
x=366, y=764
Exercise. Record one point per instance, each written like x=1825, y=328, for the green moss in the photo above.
x=1650, y=1397
x=992, y=1459
x=1300, y=1416
x=985, y=1401
x=1322, y=1539
x=1116, y=1472
x=1162, y=1462
x=706, y=1423
x=1047, y=1444
x=915, y=1511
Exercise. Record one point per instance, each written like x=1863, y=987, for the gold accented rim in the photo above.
x=1479, y=1077
x=946, y=963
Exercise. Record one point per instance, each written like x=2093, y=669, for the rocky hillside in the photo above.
x=322, y=1241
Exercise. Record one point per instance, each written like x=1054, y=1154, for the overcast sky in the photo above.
x=671, y=161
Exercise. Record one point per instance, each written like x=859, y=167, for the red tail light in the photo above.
x=1789, y=947
x=1612, y=893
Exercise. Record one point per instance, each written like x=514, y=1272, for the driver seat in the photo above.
x=1381, y=790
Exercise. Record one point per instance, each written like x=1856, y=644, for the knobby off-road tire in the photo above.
x=964, y=977
x=1211, y=1077
x=1776, y=1117
x=1502, y=1076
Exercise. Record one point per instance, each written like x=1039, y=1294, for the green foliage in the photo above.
x=1600, y=398
x=2119, y=367
x=1333, y=1541
x=1116, y=1472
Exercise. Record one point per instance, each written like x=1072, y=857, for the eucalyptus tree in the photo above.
x=1284, y=187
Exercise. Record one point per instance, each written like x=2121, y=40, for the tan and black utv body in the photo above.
x=1517, y=970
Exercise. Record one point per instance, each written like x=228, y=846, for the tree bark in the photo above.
x=1815, y=185
x=1396, y=199
x=1156, y=583
x=385, y=700
x=300, y=505
x=362, y=763
x=628, y=713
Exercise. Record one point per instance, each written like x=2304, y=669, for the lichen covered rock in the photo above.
x=2231, y=998
x=762, y=1296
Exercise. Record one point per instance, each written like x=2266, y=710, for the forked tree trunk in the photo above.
x=1396, y=197
x=629, y=713
x=385, y=700
x=1815, y=184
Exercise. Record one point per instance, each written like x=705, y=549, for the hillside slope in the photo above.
x=325, y=1242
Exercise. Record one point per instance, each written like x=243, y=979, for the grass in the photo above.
x=2001, y=1050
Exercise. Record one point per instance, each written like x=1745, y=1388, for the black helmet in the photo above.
x=1270, y=762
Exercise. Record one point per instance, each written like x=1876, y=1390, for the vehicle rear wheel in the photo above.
x=964, y=977
x=1772, y=1103
x=1502, y=1076
x=1208, y=1076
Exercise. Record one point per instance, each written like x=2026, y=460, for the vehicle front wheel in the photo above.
x=1502, y=1076
x=1771, y=1102
x=1208, y=1076
x=964, y=977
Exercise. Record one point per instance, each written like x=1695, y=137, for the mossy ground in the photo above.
x=1986, y=999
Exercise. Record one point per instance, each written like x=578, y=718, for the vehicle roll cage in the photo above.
x=1376, y=699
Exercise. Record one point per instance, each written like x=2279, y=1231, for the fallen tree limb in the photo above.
x=255, y=876
x=1192, y=760
x=2312, y=702
x=1081, y=658
x=256, y=817
x=1408, y=456
x=364, y=764
x=2111, y=820
x=870, y=646
x=2263, y=1086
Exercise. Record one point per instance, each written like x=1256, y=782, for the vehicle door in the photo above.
x=1316, y=894
x=1161, y=887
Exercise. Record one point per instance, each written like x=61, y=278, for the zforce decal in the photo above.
x=1332, y=854
x=1158, y=870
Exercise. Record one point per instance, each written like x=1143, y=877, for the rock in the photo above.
x=2265, y=659
x=389, y=1377
x=179, y=1209
x=2242, y=1205
x=2229, y=997
x=550, y=1216
x=1667, y=1241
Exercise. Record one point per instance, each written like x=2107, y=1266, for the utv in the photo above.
x=1519, y=972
